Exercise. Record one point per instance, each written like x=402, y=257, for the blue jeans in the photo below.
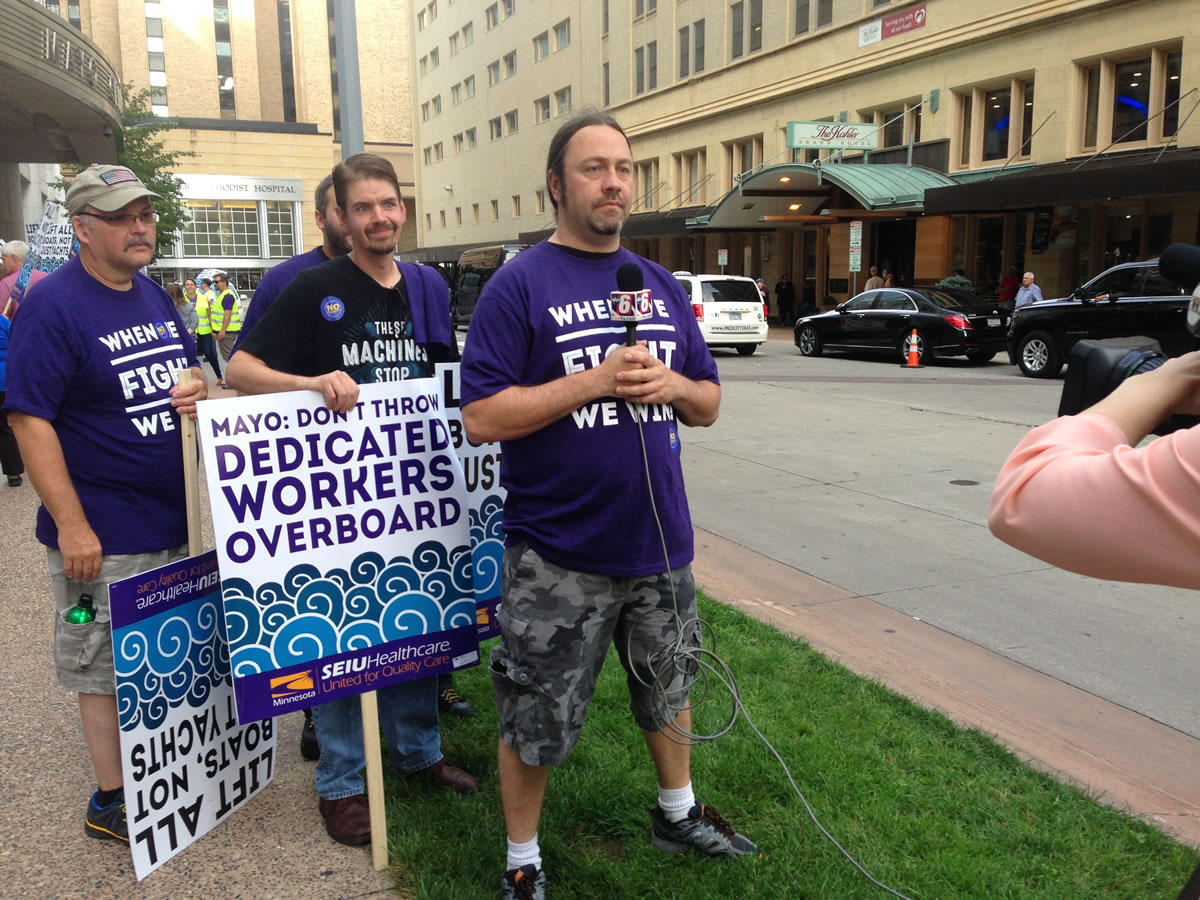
x=408, y=721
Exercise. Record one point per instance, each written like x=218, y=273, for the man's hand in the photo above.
x=644, y=378
x=81, y=552
x=185, y=396
x=339, y=389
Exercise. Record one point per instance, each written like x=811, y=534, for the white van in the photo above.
x=729, y=309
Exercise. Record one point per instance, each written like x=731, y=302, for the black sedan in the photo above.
x=941, y=322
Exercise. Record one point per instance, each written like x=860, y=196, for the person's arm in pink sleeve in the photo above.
x=1077, y=494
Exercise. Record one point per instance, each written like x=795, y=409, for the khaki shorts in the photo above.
x=83, y=654
x=557, y=626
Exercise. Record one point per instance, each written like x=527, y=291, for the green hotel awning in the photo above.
x=767, y=197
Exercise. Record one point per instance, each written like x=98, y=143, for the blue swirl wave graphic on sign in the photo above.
x=487, y=547
x=168, y=660
x=311, y=614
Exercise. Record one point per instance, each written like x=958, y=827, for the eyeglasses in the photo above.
x=125, y=220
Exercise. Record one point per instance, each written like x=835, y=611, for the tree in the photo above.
x=147, y=158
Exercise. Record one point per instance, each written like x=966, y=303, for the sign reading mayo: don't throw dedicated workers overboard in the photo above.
x=343, y=541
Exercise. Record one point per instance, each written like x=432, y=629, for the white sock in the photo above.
x=676, y=802
x=528, y=853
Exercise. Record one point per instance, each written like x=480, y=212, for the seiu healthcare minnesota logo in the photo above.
x=292, y=687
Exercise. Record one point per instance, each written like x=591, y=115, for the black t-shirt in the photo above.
x=335, y=316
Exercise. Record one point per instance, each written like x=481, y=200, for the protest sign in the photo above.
x=343, y=543
x=485, y=499
x=186, y=760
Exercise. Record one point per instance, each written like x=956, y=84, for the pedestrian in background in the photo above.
x=785, y=298
x=874, y=281
x=225, y=315
x=205, y=345
x=186, y=310
x=1029, y=292
x=10, y=454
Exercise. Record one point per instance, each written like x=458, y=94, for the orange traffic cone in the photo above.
x=914, y=357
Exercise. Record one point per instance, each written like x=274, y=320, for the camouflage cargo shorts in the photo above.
x=557, y=625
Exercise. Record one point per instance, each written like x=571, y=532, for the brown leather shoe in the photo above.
x=347, y=820
x=445, y=775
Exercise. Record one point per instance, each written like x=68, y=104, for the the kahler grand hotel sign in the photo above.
x=833, y=135
x=241, y=187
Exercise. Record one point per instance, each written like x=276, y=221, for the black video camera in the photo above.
x=1094, y=371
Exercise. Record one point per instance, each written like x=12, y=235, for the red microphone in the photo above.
x=629, y=303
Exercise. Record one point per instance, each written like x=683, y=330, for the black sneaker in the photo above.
x=310, y=748
x=451, y=701
x=703, y=831
x=106, y=822
x=525, y=883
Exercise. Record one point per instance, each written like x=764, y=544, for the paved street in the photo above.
x=876, y=479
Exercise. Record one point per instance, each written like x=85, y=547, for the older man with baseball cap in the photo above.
x=92, y=361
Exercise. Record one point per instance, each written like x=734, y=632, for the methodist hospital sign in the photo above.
x=343, y=541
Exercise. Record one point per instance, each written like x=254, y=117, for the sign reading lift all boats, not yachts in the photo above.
x=833, y=135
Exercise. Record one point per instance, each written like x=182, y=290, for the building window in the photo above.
x=434, y=59
x=516, y=205
x=224, y=59
x=458, y=215
x=824, y=13
x=156, y=59
x=225, y=228
x=652, y=65
x=562, y=101
x=736, y=29
x=425, y=111
x=742, y=157
x=898, y=123
x=281, y=233
x=468, y=35
x=510, y=64
x=802, y=14
x=437, y=105
x=495, y=210
x=495, y=130
x=509, y=8
x=685, y=38
x=491, y=17
x=639, y=70
x=286, y=69
x=539, y=201
x=996, y=123
x=603, y=18
x=510, y=121
x=474, y=213
x=493, y=70
x=690, y=175
x=645, y=184
x=454, y=44
x=541, y=109
x=562, y=34
x=1131, y=101
x=456, y=94
x=429, y=221
x=438, y=152
x=468, y=87
x=755, y=25
x=428, y=154
x=471, y=141
x=541, y=46
x=698, y=55
x=458, y=143
x=442, y=217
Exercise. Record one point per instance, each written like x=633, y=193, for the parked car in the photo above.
x=729, y=309
x=1128, y=300
x=475, y=267
x=941, y=321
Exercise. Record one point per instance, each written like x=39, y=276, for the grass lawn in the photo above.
x=927, y=808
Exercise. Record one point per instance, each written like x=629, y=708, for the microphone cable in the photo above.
x=694, y=664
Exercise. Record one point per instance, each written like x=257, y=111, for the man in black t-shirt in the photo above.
x=360, y=319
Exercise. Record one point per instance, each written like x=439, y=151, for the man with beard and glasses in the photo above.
x=546, y=372
x=308, y=340
x=98, y=426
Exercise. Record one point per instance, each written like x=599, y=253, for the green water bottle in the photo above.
x=82, y=612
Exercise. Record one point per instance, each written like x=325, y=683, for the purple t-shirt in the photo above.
x=577, y=488
x=97, y=363
x=272, y=283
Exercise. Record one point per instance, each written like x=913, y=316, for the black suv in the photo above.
x=1130, y=299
